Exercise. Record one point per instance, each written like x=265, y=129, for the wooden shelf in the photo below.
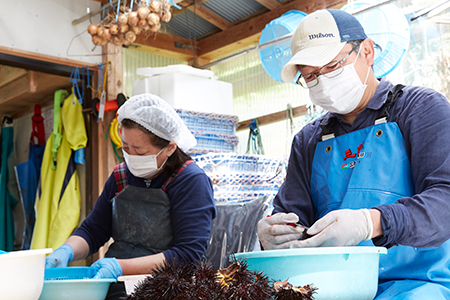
x=21, y=89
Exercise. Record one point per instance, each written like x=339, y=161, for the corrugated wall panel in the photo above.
x=233, y=10
x=190, y=26
x=133, y=59
x=256, y=94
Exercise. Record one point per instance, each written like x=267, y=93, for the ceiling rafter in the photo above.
x=254, y=26
x=270, y=4
x=209, y=16
x=232, y=37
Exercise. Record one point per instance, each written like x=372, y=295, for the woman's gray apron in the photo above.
x=141, y=221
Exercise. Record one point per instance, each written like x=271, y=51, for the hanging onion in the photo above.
x=114, y=28
x=122, y=19
x=96, y=40
x=153, y=19
x=126, y=43
x=123, y=28
x=107, y=34
x=130, y=36
x=143, y=24
x=143, y=12
x=133, y=19
x=166, y=16
x=155, y=6
x=100, y=31
x=117, y=40
x=156, y=27
x=92, y=29
x=136, y=30
x=104, y=41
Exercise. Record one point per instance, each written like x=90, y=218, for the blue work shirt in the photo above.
x=192, y=209
x=423, y=116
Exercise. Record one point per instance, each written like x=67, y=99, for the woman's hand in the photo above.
x=59, y=258
x=107, y=268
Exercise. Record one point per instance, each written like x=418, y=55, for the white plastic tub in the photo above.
x=22, y=274
x=130, y=281
x=349, y=273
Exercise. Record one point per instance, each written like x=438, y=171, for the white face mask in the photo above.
x=340, y=94
x=143, y=166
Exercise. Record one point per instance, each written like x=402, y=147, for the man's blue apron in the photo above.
x=367, y=168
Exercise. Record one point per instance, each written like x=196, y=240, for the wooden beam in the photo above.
x=274, y=117
x=270, y=4
x=165, y=45
x=18, y=97
x=209, y=16
x=47, y=58
x=254, y=26
x=8, y=74
x=15, y=89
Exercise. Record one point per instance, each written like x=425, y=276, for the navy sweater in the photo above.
x=192, y=209
x=423, y=117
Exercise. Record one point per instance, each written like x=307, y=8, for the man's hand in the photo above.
x=279, y=231
x=344, y=227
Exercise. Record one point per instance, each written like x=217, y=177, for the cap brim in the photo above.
x=313, y=56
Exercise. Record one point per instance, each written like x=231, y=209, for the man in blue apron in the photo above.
x=375, y=170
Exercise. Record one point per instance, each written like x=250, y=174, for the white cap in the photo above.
x=158, y=117
x=319, y=38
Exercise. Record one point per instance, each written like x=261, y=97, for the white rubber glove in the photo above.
x=278, y=232
x=344, y=227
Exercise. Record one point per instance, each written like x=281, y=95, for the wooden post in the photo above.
x=104, y=157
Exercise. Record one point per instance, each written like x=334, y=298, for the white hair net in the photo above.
x=157, y=116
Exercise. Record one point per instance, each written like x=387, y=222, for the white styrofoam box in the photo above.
x=189, y=92
x=179, y=69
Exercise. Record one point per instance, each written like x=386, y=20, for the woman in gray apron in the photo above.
x=374, y=170
x=157, y=206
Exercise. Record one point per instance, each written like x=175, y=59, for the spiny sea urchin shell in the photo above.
x=167, y=282
x=286, y=291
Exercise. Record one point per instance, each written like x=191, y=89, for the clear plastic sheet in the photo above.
x=234, y=229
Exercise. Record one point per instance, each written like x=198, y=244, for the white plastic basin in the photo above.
x=22, y=274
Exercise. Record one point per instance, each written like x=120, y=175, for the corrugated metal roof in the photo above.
x=233, y=10
x=190, y=26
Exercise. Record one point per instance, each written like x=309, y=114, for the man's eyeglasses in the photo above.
x=311, y=79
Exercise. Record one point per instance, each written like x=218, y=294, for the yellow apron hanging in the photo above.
x=58, y=198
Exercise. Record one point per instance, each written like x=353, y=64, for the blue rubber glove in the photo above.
x=59, y=258
x=107, y=268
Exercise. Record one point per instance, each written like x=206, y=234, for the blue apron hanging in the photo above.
x=367, y=168
x=7, y=200
x=28, y=173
